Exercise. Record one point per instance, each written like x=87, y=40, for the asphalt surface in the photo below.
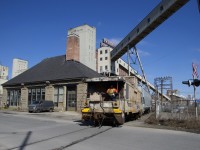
x=64, y=130
x=76, y=117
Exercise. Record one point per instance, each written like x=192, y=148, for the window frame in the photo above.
x=58, y=95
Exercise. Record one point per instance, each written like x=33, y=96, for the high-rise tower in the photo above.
x=81, y=45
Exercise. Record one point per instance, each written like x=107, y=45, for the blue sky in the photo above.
x=36, y=29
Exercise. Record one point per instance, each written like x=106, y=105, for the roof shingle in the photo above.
x=53, y=69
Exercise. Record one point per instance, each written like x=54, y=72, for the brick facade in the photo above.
x=73, y=50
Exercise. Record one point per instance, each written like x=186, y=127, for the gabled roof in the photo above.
x=53, y=69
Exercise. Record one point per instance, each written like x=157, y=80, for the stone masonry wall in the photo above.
x=24, y=98
x=81, y=94
x=49, y=92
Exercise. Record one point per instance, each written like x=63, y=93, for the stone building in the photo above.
x=55, y=79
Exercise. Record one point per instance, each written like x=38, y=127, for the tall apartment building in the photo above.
x=19, y=66
x=81, y=45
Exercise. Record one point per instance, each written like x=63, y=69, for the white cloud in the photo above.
x=115, y=41
x=143, y=53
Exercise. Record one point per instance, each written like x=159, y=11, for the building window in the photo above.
x=101, y=59
x=58, y=95
x=14, y=97
x=71, y=98
x=36, y=94
x=106, y=58
x=101, y=69
x=106, y=67
x=106, y=51
x=100, y=52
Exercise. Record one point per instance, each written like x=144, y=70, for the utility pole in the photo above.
x=165, y=83
x=162, y=80
x=195, y=76
x=196, y=111
x=195, y=101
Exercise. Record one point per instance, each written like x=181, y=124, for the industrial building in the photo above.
x=19, y=66
x=81, y=45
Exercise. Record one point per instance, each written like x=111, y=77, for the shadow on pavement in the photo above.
x=24, y=143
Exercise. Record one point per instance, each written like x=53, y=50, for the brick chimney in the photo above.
x=73, y=49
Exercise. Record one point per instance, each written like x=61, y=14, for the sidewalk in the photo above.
x=67, y=115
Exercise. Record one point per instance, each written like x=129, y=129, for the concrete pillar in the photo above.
x=81, y=94
x=4, y=98
x=24, y=98
x=65, y=98
x=49, y=92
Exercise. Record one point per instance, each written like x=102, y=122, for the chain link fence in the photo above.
x=180, y=109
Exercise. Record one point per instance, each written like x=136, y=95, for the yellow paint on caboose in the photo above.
x=117, y=111
x=85, y=110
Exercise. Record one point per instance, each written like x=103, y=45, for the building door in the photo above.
x=71, y=98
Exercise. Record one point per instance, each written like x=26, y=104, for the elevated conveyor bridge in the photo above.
x=156, y=17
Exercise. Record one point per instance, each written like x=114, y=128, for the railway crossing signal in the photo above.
x=195, y=82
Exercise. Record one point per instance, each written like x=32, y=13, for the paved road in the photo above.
x=42, y=131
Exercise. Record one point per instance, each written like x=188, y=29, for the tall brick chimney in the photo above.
x=73, y=49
